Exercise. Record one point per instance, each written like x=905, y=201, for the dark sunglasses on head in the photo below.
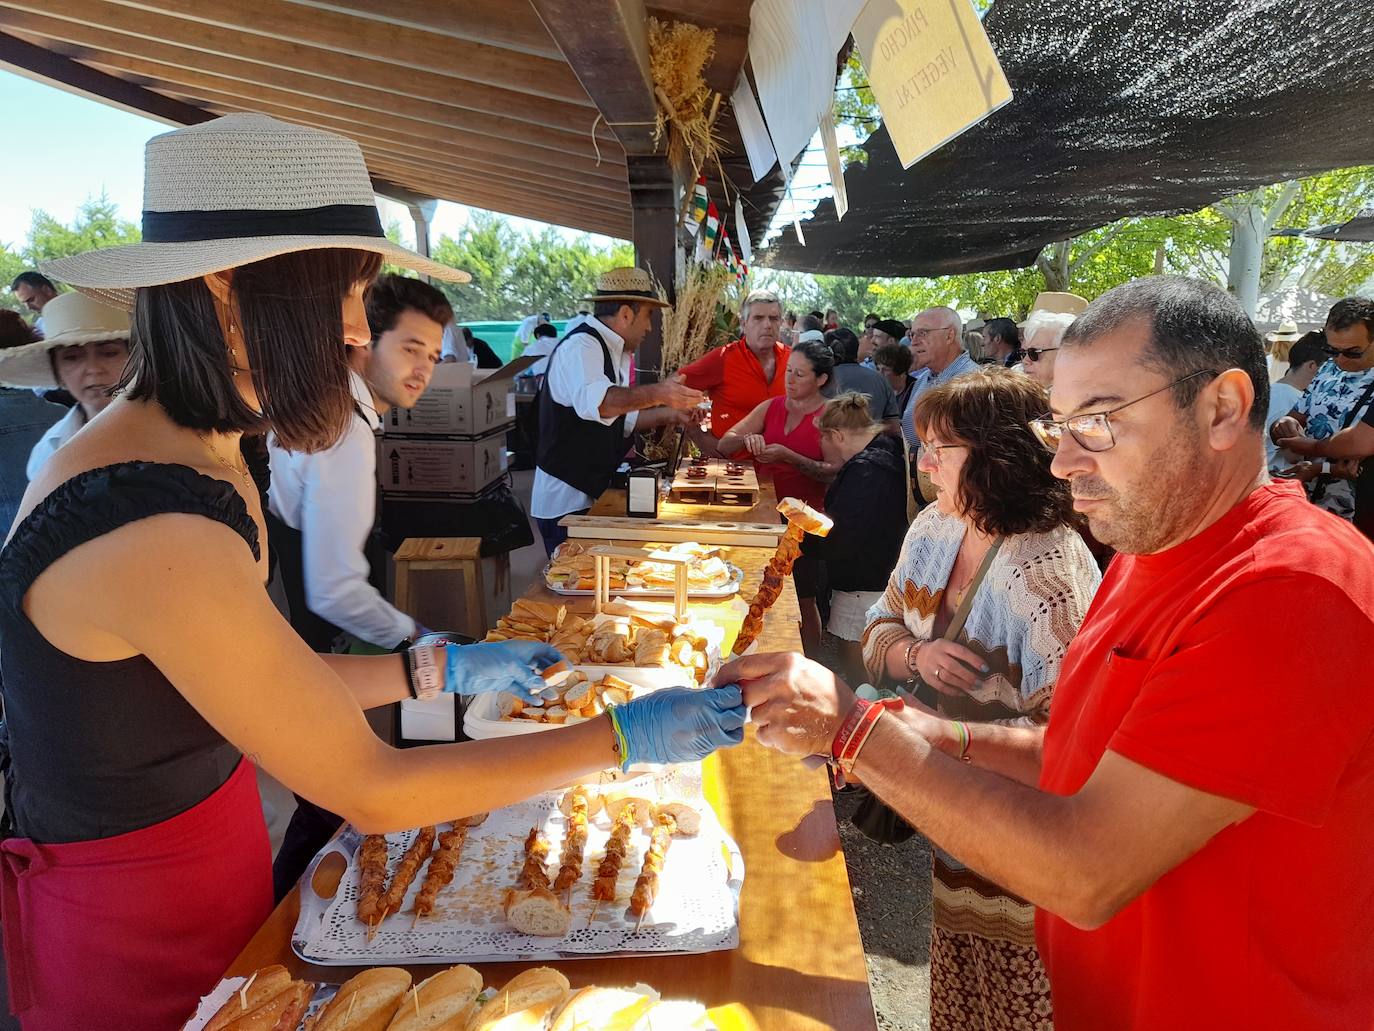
x=1344, y=352
x=1034, y=353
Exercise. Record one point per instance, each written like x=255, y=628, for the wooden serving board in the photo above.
x=741, y=488
x=718, y=486
x=672, y=531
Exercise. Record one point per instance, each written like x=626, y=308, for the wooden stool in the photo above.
x=417, y=554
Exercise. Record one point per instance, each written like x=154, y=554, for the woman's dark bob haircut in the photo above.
x=1006, y=486
x=290, y=313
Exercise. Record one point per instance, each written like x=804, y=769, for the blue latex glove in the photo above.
x=679, y=724
x=512, y=666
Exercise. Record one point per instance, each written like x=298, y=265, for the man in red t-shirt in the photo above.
x=739, y=376
x=1197, y=821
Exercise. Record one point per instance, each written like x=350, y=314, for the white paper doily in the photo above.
x=696, y=910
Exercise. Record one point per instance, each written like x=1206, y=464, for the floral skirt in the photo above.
x=984, y=984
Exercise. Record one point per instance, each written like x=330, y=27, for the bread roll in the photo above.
x=539, y=912
x=603, y=1008
x=524, y=1004
x=445, y=1002
x=267, y=983
x=366, y=1002
x=281, y=1012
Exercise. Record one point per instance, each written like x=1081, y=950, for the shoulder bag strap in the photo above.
x=956, y=625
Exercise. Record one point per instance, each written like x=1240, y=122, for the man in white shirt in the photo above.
x=322, y=508
x=327, y=501
x=587, y=410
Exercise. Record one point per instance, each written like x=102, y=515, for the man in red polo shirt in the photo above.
x=740, y=375
x=1195, y=824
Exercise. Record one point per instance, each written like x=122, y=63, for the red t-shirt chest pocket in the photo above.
x=1099, y=712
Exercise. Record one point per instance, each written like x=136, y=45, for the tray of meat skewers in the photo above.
x=635, y=867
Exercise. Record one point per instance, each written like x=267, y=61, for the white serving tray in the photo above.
x=696, y=911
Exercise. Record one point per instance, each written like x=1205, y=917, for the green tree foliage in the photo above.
x=1194, y=244
x=515, y=273
x=97, y=224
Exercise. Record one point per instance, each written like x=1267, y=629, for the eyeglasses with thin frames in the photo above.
x=1093, y=430
x=1344, y=352
x=934, y=450
x=921, y=334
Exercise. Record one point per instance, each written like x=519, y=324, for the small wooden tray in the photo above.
x=718, y=487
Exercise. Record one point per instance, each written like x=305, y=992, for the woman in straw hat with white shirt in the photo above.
x=141, y=658
x=84, y=353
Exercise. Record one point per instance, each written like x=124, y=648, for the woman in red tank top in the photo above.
x=782, y=436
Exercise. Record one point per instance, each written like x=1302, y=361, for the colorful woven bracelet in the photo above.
x=965, y=739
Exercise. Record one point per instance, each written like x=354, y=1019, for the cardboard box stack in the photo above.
x=453, y=442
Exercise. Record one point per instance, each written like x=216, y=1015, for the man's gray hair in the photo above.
x=948, y=316
x=758, y=297
x=1056, y=322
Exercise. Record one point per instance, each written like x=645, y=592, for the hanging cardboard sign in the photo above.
x=932, y=70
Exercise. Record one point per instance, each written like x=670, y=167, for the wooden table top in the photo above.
x=612, y=503
x=800, y=962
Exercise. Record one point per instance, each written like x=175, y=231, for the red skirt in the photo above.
x=131, y=931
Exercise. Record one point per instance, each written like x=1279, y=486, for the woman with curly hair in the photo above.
x=1001, y=513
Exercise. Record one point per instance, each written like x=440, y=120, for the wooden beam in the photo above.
x=500, y=152
x=527, y=205
x=278, y=84
x=343, y=34
x=607, y=44
x=271, y=50
x=655, y=215
x=35, y=62
x=432, y=152
x=511, y=24
x=312, y=72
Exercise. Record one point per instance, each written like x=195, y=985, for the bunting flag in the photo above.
x=706, y=244
x=696, y=212
x=743, y=275
x=700, y=201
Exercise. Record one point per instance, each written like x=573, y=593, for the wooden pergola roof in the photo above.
x=490, y=103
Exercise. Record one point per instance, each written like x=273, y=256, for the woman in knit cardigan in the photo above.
x=995, y=489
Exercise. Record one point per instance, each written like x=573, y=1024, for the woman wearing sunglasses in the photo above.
x=992, y=584
x=1044, y=330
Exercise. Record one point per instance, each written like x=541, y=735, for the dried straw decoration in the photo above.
x=689, y=326
x=678, y=56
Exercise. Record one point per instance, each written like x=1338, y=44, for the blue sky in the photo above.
x=79, y=147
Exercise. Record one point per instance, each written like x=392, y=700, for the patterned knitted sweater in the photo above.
x=1023, y=617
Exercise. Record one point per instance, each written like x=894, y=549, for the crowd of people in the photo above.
x=1055, y=541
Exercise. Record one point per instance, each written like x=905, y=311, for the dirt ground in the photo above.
x=892, y=897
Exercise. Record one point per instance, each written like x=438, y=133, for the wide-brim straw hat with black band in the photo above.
x=236, y=190
x=68, y=319
x=626, y=284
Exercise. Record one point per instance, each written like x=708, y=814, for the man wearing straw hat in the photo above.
x=587, y=410
x=84, y=353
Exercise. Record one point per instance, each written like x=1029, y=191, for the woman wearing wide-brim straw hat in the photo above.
x=141, y=657
x=1278, y=343
x=84, y=351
